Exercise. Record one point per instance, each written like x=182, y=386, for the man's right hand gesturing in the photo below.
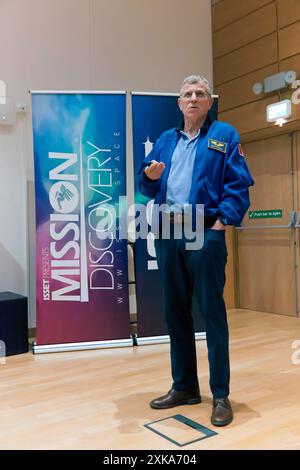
x=155, y=170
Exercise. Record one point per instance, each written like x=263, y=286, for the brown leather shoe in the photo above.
x=176, y=398
x=222, y=413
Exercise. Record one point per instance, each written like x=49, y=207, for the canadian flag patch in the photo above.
x=241, y=152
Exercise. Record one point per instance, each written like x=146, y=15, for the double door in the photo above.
x=267, y=274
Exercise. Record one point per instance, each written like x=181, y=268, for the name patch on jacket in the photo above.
x=217, y=145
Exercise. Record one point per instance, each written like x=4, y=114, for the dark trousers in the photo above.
x=200, y=271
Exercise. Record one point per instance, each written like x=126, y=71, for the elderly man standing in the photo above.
x=200, y=162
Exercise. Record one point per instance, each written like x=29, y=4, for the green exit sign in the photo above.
x=269, y=214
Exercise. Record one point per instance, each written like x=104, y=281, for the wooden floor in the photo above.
x=99, y=399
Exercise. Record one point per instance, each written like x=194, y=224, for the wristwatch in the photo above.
x=223, y=220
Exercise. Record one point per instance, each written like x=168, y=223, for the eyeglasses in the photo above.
x=199, y=95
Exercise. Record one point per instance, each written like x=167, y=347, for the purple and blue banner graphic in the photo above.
x=151, y=115
x=80, y=174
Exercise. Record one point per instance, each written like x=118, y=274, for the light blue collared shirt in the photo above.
x=181, y=172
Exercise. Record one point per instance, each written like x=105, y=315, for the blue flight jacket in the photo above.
x=220, y=179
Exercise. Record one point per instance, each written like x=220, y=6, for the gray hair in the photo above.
x=192, y=79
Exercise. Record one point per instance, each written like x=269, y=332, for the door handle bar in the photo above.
x=262, y=227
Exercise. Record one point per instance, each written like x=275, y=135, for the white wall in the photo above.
x=142, y=45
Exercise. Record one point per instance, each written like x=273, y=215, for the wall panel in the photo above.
x=256, y=55
x=292, y=63
x=235, y=72
x=252, y=40
x=289, y=40
x=295, y=107
x=252, y=117
x=239, y=91
x=228, y=11
x=249, y=117
x=288, y=12
x=264, y=19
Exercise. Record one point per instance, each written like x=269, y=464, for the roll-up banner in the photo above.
x=80, y=186
x=151, y=115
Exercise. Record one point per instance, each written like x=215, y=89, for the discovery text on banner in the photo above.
x=80, y=173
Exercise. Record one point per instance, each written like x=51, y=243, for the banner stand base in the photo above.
x=163, y=339
x=114, y=343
